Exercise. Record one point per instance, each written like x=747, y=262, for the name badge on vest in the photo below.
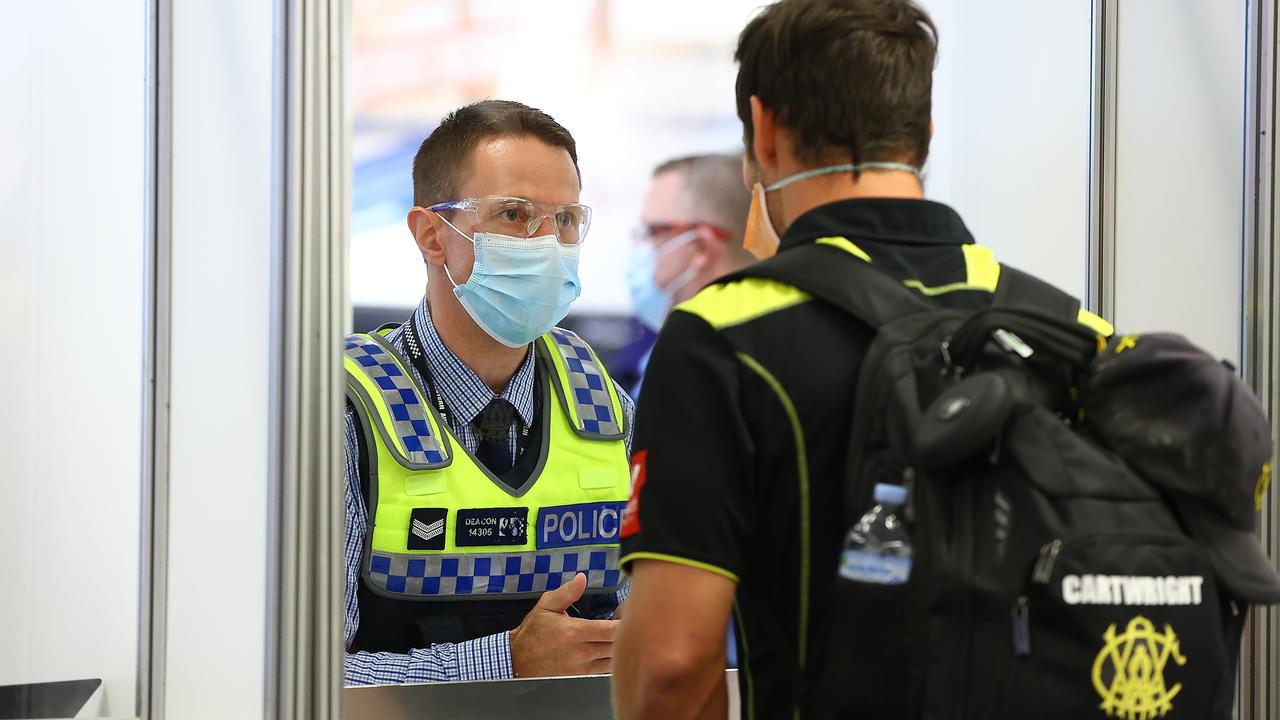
x=584, y=524
x=492, y=526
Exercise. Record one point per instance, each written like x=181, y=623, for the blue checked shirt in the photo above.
x=464, y=395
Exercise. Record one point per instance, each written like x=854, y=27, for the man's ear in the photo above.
x=425, y=226
x=764, y=141
x=711, y=247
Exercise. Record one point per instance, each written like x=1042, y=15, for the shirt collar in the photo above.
x=917, y=222
x=463, y=392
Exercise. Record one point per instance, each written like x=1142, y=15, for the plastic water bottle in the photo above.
x=878, y=550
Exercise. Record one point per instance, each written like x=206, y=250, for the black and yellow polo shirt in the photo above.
x=742, y=430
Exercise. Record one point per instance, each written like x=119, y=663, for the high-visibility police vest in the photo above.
x=442, y=527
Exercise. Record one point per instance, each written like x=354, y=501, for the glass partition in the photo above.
x=73, y=257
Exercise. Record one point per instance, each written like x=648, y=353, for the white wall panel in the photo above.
x=1011, y=144
x=72, y=238
x=1179, y=169
x=222, y=254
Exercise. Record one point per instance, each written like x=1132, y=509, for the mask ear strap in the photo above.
x=449, y=275
x=678, y=241
x=829, y=170
x=687, y=276
x=887, y=166
x=681, y=280
x=844, y=167
x=455, y=228
x=446, y=262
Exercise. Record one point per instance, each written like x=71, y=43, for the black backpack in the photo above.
x=1050, y=578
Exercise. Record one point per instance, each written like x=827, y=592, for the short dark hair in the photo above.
x=443, y=157
x=715, y=183
x=847, y=78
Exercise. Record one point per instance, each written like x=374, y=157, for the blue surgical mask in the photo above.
x=651, y=302
x=519, y=289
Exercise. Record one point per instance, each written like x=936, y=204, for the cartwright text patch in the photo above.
x=1131, y=589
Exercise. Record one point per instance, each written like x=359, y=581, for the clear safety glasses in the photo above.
x=659, y=232
x=521, y=217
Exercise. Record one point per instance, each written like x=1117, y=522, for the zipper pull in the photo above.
x=1043, y=571
x=1012, y=343
x=1021, y=628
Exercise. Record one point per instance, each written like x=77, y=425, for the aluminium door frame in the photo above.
x=154, y=496
x=1259, y=681
x=310, y=207
x=305, y=669
x=314, y=154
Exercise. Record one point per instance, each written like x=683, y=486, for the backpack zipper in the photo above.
x=1022, y=627
x=1043, y=571
x=1040, y=574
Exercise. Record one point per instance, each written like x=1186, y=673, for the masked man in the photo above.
x=690, y=233
x=743, y=433
x=486, y=448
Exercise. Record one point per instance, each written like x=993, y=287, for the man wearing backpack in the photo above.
x=1037, y=517
x=742, y=436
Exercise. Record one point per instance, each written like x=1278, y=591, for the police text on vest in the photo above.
x=582, y=524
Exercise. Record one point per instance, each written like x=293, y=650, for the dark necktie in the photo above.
x=493, y=429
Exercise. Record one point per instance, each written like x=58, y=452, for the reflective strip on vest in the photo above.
x=493, y=574
x=590, y=398
x=569, y=508
x=411, y=432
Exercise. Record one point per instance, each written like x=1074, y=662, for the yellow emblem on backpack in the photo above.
x=1129, y=671
x=1260, y=490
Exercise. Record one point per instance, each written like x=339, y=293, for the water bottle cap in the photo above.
x=886, y=493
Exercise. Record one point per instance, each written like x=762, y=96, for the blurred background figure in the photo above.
x=690, y=233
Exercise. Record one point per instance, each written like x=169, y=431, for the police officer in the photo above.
x=486, y=448
x=742, y=433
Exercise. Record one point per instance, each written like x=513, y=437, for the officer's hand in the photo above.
x=549, y=642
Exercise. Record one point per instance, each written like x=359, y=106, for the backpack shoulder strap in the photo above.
x=1020, y=289
x=838, y=272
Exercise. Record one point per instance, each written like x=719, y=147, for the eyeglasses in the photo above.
x=521, y=217
x=645, y=232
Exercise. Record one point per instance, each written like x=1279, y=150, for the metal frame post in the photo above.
x=1102, y=158
x=1259, y=684
x=305, y=670
x=153, y=545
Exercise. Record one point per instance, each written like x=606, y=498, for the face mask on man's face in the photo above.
x=761, y=238
x=651, y=302
x=519, y=288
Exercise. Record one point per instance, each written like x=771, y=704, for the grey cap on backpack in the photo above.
x=1188, y=425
